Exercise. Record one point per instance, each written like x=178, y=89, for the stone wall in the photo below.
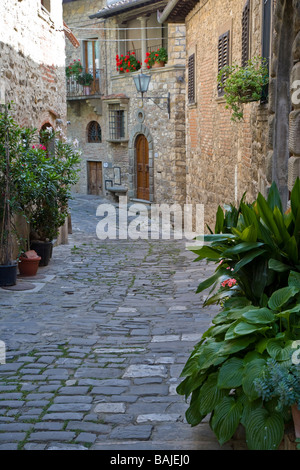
x=32, y=67
x=224, y=158
x=284, y=142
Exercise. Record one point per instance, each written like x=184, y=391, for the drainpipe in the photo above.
x=164, y=16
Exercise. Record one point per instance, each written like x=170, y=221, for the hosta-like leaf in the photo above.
x=231, y=373
x=193, y=415
x=244, y=328
x=226, y=419
x=264, y=430
x=252, y=371
x=210, y=395
x=281, y=296
x=294, y=279
x=280, y=351
x=260, y=316
x=235, y=345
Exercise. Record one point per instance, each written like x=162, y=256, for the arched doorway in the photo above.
x=142, y=167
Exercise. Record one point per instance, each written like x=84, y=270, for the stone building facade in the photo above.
x=32, y=61
x=32, y=66
x=110, y=159
x=224, y=158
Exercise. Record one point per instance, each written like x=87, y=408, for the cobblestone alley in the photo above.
x=94, y=350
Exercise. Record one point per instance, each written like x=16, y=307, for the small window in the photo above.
x=223, y=57
x=191, y=79
x=116, y=122
x=94, y=132
x=245, y=33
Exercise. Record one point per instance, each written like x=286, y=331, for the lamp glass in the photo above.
x=142, y=82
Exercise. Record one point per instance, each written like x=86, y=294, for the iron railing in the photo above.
x=75, y=89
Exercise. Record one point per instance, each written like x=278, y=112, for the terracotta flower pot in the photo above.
x=29, y=263
x=158, y=64
x=296, y=419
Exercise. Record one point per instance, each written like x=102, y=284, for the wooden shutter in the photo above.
x=223, y=56
x=245, y=33
x=191, y=78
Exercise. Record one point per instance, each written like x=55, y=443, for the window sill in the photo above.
x=192, y=105
x=117, y=141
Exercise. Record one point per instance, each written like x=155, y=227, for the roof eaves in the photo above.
x=177, y=10
x=120, y=7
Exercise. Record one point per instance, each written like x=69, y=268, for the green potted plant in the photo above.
x=85, y=79
x=9, y=138
x=57, y=171
x=156, y=58
x=243, y=84
x=74, y=69
x=43, y=176
x=257, y=246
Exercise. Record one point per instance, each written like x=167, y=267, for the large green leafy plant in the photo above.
x=257, y=245
x=43, y=176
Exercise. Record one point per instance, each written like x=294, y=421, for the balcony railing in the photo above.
x=77, y=90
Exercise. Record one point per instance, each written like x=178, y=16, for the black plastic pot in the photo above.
x=44, y=250
x=8, y=275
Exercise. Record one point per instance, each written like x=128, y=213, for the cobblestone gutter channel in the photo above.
x=95, y=352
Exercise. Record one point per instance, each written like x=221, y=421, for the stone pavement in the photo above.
x=95, y=349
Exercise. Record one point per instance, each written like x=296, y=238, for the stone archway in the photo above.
x=284, y=113
x=140, y=129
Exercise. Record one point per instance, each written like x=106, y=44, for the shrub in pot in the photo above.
x=257, y=245
x=9, y=148
x=43, y=176
x=156, y=58
x=243, y=84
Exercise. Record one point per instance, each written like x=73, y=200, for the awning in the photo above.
x=70, y=36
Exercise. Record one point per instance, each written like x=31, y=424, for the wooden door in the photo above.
x=142, y=167
x=95, y=178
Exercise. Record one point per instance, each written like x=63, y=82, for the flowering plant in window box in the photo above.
x=156, y=58
x=127, y=63
x=74, y=69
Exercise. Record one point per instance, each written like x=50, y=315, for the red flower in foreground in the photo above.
x=229, y=282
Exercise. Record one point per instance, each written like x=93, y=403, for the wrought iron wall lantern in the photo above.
x=141, y=82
